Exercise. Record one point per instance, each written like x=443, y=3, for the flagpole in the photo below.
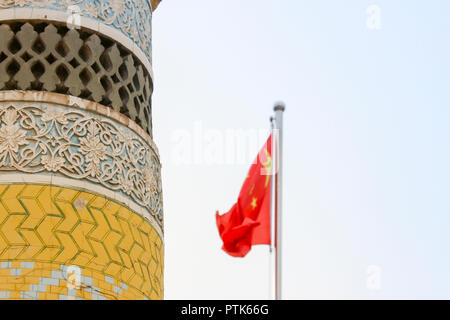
x=272, y=276
x=279, y=109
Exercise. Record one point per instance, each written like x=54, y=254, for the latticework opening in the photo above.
x=51, y=57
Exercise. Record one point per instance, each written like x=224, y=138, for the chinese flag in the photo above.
x=248, y=221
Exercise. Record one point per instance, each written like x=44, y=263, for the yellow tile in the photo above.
x=45, y=231
x=33, y=247
x=15, y=280
x=82, y=259
x=81, y=293
x=52, y=296
x=32, y=280
x=12, y=252
x=8, y=286
x=35, y=214
x=5, y=272
x=105, y=285
x=153, y=235
x=45, y=272
x=9, y=230
x=136, y=281
x=98, y=202
x=48, y=253
x=113, y=270
x=21, y=287
x=70, y=219
x=87, y=196
x=54, y=266
x=111, y=241
x=9, y=199
x=79, y=235
x=148, y=291
x=95, y=282
x=155, y=296
x=62, y=285
x=70, y=249
x=86, y=272
x=85, y=215
x=135, y=294
x=3, y=188
x=145, y=227
x=153, y=266
x=97, y=275
x=126, y=274
x=14, y=295
x=101, y=228
x=123, y=213
x=3, y=213
x=135, y=253
x=67, y=195
x=31, y=191
x=87, y=295
x=110, y=209
x=101, y=258
x=46, y=200
x=127, y=240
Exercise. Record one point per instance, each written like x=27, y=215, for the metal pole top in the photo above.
x=279, y=106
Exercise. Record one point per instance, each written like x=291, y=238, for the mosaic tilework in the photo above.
x=48, y=281
x=47, y=232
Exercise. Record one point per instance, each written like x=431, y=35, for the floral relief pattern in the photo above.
x=77, y=144
x=132, y=17
x=11, y=136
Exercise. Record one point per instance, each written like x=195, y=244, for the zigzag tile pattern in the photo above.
x=60, y=226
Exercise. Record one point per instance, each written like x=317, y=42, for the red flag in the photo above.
x=248, y=221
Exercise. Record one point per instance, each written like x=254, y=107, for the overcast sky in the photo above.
x=366, y=163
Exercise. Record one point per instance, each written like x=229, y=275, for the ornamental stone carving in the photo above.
x=131, y=17
x=80, y=144
x=50, y=57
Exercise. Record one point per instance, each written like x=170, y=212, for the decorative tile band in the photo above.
x=58, y=180
x=131, y=17
x=62, y=243
x=49, y=281
x=79, y=144
x=71, y=101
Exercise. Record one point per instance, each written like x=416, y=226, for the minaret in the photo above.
x=80, y=189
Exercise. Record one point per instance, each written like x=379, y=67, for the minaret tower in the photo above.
x=80, y=189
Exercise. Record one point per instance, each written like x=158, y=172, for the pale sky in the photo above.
x=366, y=162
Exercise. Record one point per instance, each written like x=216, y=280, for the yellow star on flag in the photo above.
x=254, y=203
